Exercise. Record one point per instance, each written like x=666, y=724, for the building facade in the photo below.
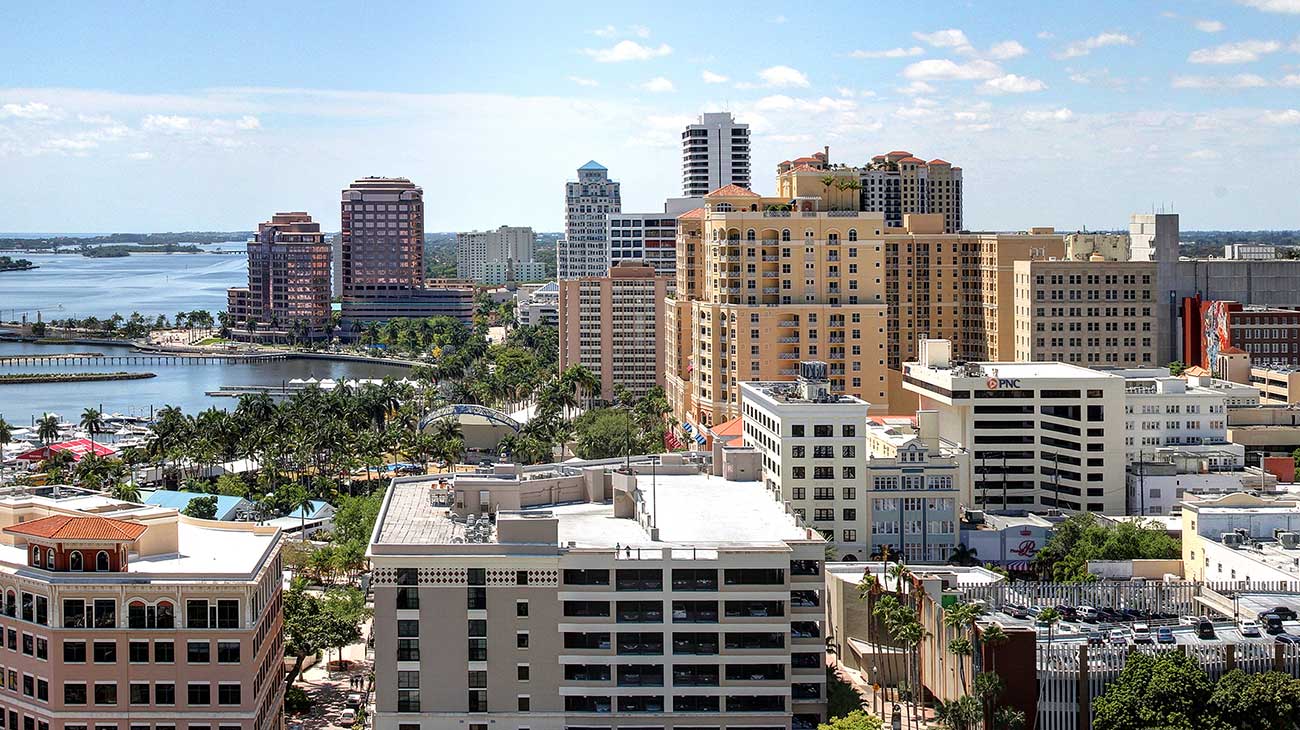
x=128, y=616
x=648, y=237
x=289, y=264
x=761, y=288
x=715, y=153
x=584, y=249
x=896, y=184
x=613, y=326
x=1269, y=335
x=1277, y=386
x=539, y=306
x=499, y=256
x=1086, y=312
x=382, y=239
x=1041, y=435
x=1082, y=246
x=595, y=598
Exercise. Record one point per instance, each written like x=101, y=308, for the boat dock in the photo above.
x=96, y=358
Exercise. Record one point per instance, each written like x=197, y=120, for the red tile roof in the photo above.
x=694, y=213
x=69, y=527
x=937, y=161
x=807, y=159
x=732, y=431
x=917, y=160
x=806, y=168
x=733, y=191
x=77, y=447
x=905, y=153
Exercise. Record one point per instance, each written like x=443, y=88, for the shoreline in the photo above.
x=187, y=350
x=48, y=378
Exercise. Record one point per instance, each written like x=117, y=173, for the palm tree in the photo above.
x=93, y=421
x=1051, y=617
x=993, y=636
x=581, y=382
x=828, y=182
x=126, y=491
x=47, y=429
x=1009, y=718
x=961, y=618
x=987, y=686
x=962, y=713
x=6, y=435
x=962, y=555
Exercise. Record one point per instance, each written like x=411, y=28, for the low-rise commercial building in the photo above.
x=1241, y=538
x=1265, y=430
x=121, y=614
x=581, y=597
x=1091, y=312
x=1041, y=435
x=1159, y=480
x=873, y=487
x=613, y=326
x=538, y=306
x=1163, y=410
x=1277, y=385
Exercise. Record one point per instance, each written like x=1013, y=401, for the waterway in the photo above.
x=184, y=386
x=72, y=285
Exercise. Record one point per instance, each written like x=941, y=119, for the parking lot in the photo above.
x=1177, y=629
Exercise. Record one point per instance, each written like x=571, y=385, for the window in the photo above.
x=75, y=561
x=164, y=693
x=576, y=577
x=228, y=614
x=138, y=652
x=408, y=692
x=521, y=672
x=408, y=596
x=796, y=430
x=164, y=652
x=521, y=640
x=74, y=693
x=101, y=561
x=850, y=536
x=521, y=609
x=74, y=652
x=106, y=694
x=196, y=614
x=199, y=694
x=227, y=652
x=139, y=693
x=198, y=652
x=523, y=703
x=105, y=652
x=229, y=694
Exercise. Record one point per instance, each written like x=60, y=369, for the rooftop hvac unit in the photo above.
x=1289, y=540
x=1232, y=539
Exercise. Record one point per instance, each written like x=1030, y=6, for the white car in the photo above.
x=1250, y=630
x=347, y=717
x=1142, y=634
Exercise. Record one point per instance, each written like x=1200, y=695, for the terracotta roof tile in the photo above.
x=806, y=168
x=1230, y=350
x=937, y=161
x=917, y=160
x=905, y=153
x=695, y=213
x=70, y=527
x=733, y=191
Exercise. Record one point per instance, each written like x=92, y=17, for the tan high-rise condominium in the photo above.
x=613, y=326
x=898, y=184
x=383, y=239
x=288, y=279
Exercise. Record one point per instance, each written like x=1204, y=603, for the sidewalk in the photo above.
x=329, y=691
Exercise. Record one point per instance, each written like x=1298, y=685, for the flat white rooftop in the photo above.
x=1013, y=370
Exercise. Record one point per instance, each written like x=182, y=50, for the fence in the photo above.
x=1176, y=597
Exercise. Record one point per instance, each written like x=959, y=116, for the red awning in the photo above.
x=77, y=447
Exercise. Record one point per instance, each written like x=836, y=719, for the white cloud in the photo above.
x=608, y=31
x=781, y=76
x=917, y=87
x=658, y=85
x=888, y=53
x=640, y=31
x=1239, y=52
x=583, y=81
x=1289, y=80
x=78, y=144
x=140, y=155
x=712, y=78
x=1088, y=45
x=1208, y=26
x=1290, y=7
x=167, y=123
x=1239, y=81
x=777, y=19
x=32, y=110
x=611, y=31
x=776, y=102
x=1057, y=115
x=783, y=103
x=1286, y=116
x=628, y=51
x=95, y=118
x=248, y=122
x=943, y=69
x=1012, y=84
x=1006, y=50
x=845, y=91
x=949, y=38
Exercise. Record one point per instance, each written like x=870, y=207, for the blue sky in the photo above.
x=160, y=116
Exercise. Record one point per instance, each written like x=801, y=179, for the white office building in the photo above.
x=496, y=257
x=538, y=305
x=584, y=249
x=648, y=237
x=715, y=152
x=868, y=486
x=1041, y=434
x=1163, y=410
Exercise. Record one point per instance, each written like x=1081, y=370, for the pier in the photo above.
x=95, y=358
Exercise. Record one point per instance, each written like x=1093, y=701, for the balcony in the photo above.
x=771, y=259
x=770, y=290
x=788, y=340
x=788, y=323
x=789, y=356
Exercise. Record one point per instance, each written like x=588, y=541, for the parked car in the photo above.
x=1188, y=620
x=1141, y=634
x=1285, y=638
x=1283, y=612
x=1118, y=637
x=1165, y=635
x=347, y=717
x=1250, y=631
x=1096, y=638
x=1034, y=610
x=1205, y=629
x=1087, y=613
x=1068, y=613
x=1109, y=615
x=1272, y=623
x=355, y=699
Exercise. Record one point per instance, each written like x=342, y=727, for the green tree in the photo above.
x=962, y=713
x=47, y=428
x=1177, y=367
x=316, y=623
x=856, y=720
x=93, y=421
x=1049, y=617
x=6, y=434
x=1082, y=538
x=1265, y=701
x=1168, y=690
x=202, y=508
x=603, y=433
x=962, y=555
x=128, y=492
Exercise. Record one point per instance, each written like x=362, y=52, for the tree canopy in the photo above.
x=314, y=623
x=1082, y=538
x=203, y=508
x=856, y=720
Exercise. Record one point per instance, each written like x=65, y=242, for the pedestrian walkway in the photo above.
x=328, y=691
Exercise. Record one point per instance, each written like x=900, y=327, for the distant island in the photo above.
x=9, y=264
x=113, y=252
x=144, y=240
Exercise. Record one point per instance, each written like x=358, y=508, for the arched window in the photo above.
x=733, y=234
x=101, y=561
x=715, y=234
x=36, y=556
x=136, y=615
x=723, y=207
x=808, y=234
x=750, y=235
x=166, y=615
x=785, y=234
x=833, y=237
x=75, y=561
x=49, y=559
x=11, y=603
x=853, y=234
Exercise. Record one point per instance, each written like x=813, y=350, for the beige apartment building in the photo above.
x=581, y=597
x=1277, y=385
x=122, y=616
x=761, y=287
x=612, y=325
x=1086, y=312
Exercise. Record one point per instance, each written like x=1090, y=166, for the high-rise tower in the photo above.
x=715, y=152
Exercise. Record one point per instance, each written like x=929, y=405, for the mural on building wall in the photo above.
x=1214, y=320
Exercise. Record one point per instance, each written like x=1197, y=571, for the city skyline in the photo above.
x=1125, y=107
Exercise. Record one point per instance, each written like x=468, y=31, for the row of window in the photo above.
x=198, y=694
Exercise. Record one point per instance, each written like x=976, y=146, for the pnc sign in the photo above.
x=995, y=383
